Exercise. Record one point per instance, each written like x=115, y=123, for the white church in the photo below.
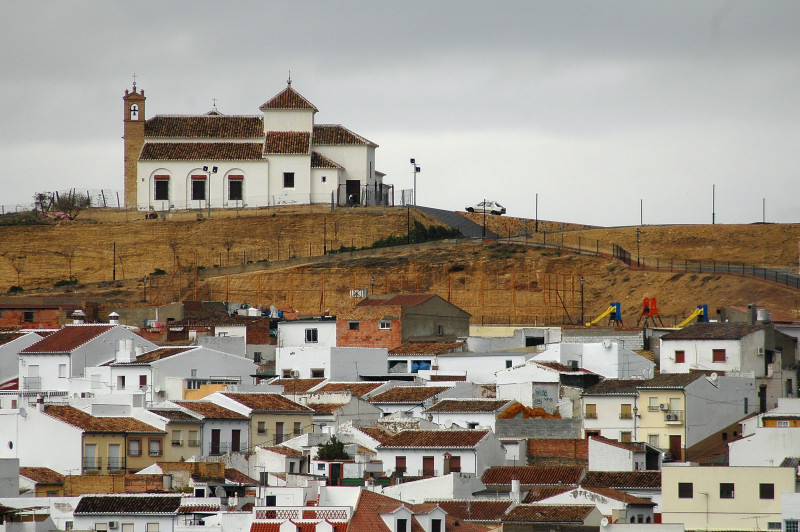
x=280, y=157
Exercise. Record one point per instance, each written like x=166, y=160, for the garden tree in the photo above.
x=69, y=202
x=333, y=450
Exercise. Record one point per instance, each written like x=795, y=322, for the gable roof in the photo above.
x=285, y=451
x=426, y=348
x=337, y=135
x=288, y=142
x=533, y=475
x=210, y=410
x=89, y=423
x=714, y=331
x=268, y=402
x=376, y=433
x=128, y=504
x=400, y=300
x=288, y=98
x=614, y=387
x=42, y=475
x=360, y=388
x=633, y=447
x=545, y=513
x=68, y=338
x=408, y=394
x=366, y=514
x=156, y=354
x=469, y=405
x=325, y=408
x=619, y=495
x=236, y=476
x=173, y=414
x=320, y=161
x=669, y=380
x=488, y=510
x=200, y=151
x=540, y=493
x=435, y=439
x=205, y=126
x=296, y=385
x=623, y=480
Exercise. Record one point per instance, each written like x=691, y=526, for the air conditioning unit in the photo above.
x=671, y=417
x=112, y=524
x=760, y=351
x=663, y=406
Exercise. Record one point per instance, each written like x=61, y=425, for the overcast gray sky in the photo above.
x=592, y=105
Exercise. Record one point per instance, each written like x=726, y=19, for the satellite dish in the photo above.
x=448, y=423
x=713, y=377
x=607, y=344
x=604, y=521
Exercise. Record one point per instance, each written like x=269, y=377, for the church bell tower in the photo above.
x=133, y=120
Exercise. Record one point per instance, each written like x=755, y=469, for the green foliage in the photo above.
x=69, y=202
x=65, y=282
x=333, y=450
x=418, y=233
x=15, y=289
x=158, y=271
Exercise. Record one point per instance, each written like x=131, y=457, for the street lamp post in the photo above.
x=638, y=232
x=212, y=170
x=415, y=170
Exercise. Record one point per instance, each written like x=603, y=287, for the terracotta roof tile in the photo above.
x=435, y=439
x=408, y=394
x=383, y=312
x=234, y=475
x=288, y=98
x=205, y=126
x=210, y=410
x=633, y=447
x=89, y=423
x=118, y=504
x=202, y=151
x=42, y=475
x=158, y=354
x=296, y=385
x=285, y=451
x=540, y=493
x=475, y=510
x=287, y=142
x=532, y=475
x=399, y=300
x=427, y=348
x=68, y=339
x=199, y=508
x=544, y=513
x=377, y=434
x=669, y=380
x=614, y=387
x=619, y=495
x=320, y=161
x=561, y=368
x=174, y=414
x=360, y=388
x=335, y=134
x=469, y=405
x=325, y=408
x=623, y=480
x=267, y=402
x=714, y=331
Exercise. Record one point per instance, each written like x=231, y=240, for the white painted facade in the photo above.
x=141, y=522
x=768, y=446
x=531, y=384
x=296, y=333
x=27, y=434
x=225, y=428
x=334, y=363
x=476, y=367
x=609, y=420
x=620, y=511
x=9, y=356
x=607, y=358
x=740, y=355
x=608, y=457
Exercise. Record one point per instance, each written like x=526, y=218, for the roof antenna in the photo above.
x=288, y=81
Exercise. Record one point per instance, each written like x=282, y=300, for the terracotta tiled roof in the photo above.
x=544, y=513
x=158, y=354
x=175, y=415
x=210, y=410
x=292, y=386
x=285, y=451
x=68, y=339
x=619, y=496
x=335, y=134
x=714, y=331
x=633, y=447
x=42, y=475
x=623, y=480
x=320, y=161
x=377, y=434
x=614, y=387
x=360, y=388
x=288, y=98
x=234, y=475
x=435, y=439
x=199, y=509
x=201, y=151
x=267, y=402
x=561, y=368
x=325, y=408
x=89, y=423
x=205, y=127
x=6, y=337
x=401, y=300
x=383, y=312
x=540, y=493
x=257, y=526
x=532, y=475
x=669, y=380
x=128, y=504
x=287, y=142
x=469, y=405
x=427, y=348
x=408, y=394
x=490, y=510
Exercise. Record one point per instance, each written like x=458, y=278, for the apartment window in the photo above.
x=324, y=178
x=288, y=180
x=298, y=429
x=353, y=325
x=652, y=405
x=402, y=525
x=311, y=336
x=262, y=427
x=436, y=525
x=680, y=357
x=746, y=406
x=791, y=525
x=773, y=525
x=142, y=380
x=235, y=188
x=194, y=440
x=591, y=411
x=257, y=357
x=176, y=438
x=101, y=527
x=151, y=527
x=625, y=411
x=236, y=440
x=685, y=490
x=27, y=316
x=440, y=330
x=198, y=188
x=783, y=424
x=625, y=437
x=509, y=363
x=384, y=325
x=400, y=464
x=718, y=355
x=287, y=373
x=455, y=464
x=69, y=525
x=134, y=447
x=279, y=435
x=766, y=491
x=161, y=187
x=726, y=490
x=652, y=439
x=121, y=382
x=320, y=467
x=317, y=373
x=62, y=371
x=155, y=447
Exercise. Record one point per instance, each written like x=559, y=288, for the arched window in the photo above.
x=134, y=112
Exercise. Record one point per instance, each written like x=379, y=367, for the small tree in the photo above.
x=333, y=450
x=69, y=202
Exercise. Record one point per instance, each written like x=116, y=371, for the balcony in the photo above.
x=674, y=416
x=116, y=464
x=590, y=415
x=193, y=443
x=31, y=383
x=177, y=443
x=92, y=464
x=219, y=448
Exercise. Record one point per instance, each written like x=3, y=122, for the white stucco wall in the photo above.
x=479, y=367
x=608, y=420
x=338, y=363
x=293, y=333
x=605, y=457
x=712, y=407
x=530, y=384
x=768, y=446
x=740, y=355
x=28, y=434
x=301, y=166
x=288, y=119
x=608, y=359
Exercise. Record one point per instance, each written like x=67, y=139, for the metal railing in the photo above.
x=31, y=383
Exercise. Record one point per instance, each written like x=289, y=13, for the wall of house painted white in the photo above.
x=325, y=189
x=139, y=521
x=768, y=446
x=740, y=355
x=487, y=453
x=605, y=457
x=465, y=420
x=336, y=363
x=490, y=339
x=9, y=356
x=479, y=367
x=357, y=160
x=271, y=461
x=235, y=345
x=288, y=119
x=607, y=358
x=300, y=165
x=531, y=384
x=10, y=480
x=608, y=421
x=606, y=505
x=27, y=434
x=293, y=333
x=790, y=508
x=356, y=409
x=710, y=407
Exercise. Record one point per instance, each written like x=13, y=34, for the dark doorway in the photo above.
x=353, y=191
x=762, y=398
x=427, y=466
x=215, y=441
x=675, y=447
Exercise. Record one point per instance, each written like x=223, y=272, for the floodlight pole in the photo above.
x=212, y=170
x=415, y=170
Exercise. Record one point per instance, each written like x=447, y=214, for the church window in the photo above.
x=161, y=187
x=235, y=188
x=198, y=187
x=288, y=180
x=134, y=112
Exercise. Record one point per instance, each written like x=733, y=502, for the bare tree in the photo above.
x=69, y=256
x=228, y=244
x=17, y=263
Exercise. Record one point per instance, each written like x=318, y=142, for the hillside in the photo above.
x=495, y=282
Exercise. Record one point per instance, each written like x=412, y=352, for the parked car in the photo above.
x=492, y=207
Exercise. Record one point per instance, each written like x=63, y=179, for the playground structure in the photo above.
x=649, y=311
x=614, y=314
x=701, y=314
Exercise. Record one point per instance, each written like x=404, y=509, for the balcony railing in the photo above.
x=116, y=464
x=590, y=415
x=177, y=443
x=220, y=448
x=674, y=416
x=92, y=463
x=194, y=443
x=653, y=408
x=32, y=383
x=625, y=415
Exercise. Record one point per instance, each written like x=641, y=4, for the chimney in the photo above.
x=516, y=494
x=125, y=353
x=113, y=319
x=78, y=317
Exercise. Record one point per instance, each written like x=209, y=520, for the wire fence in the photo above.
x=100, y=197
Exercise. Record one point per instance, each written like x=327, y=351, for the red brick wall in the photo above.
x=42, y=318
x=368, y=334
x=548, y=448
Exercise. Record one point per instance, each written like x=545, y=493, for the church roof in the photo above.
x=320, y=161
x=197, y=151
x=335, y=134
x=288, y=142
x=288, y=98
x=205, y=127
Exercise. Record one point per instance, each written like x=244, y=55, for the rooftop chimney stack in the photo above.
x=78, y=317
x=113, y=319
x=125, y=353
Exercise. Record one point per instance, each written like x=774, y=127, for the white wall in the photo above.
x=608, y=359
x=740, y=355
x=288, y=119
x=9, y=356
x=28, y=434
x=606, y=505
x=712, y=407
x=293, y=333
x=479, y=367
x=605, y=457
x=530, y=384
x=608, y=421
x=338, y=363
x=768, y=446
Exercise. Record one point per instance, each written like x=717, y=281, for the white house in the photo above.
x=611, y=455
x=429, y=453
x=467, y=413
x=135, y=513
x=607, y=358
x=336, y=363
x=332, y=409
x=532, y=384
x=229, y=161
x=413, y=400
x=10, y=346
x=768, y=446
x=610, y=408
x=314, y=332
x=475, y=367
x=622, y=508
x=224, y=430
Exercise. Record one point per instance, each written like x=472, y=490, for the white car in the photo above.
x=492, y=207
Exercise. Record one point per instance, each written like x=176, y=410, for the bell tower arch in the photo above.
x=133, y=136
